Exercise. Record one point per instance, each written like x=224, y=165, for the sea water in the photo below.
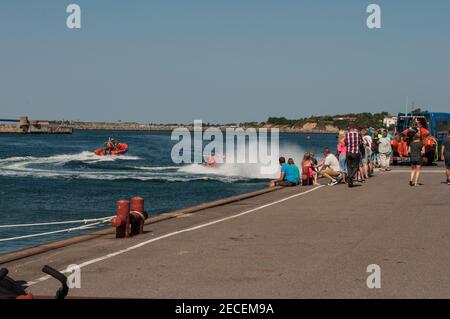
x=46, y=178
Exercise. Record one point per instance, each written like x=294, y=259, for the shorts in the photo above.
x=286, y=184
x=365, y=159
x=416, y=163
x=447, y=163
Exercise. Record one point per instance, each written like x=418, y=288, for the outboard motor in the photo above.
x=12, y=289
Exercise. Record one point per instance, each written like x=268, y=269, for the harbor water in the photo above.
x=47, y=178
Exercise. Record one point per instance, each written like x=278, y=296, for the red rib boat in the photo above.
x=120, y=149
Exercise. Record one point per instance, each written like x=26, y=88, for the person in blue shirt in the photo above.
x=287, y=175
x=295, y=170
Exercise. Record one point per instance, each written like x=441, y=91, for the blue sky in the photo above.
x=221, y=61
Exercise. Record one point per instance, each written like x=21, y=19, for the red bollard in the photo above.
x=122, y=220
x=137, y=216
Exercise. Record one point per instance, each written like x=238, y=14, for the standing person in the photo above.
x=385, y=150
x=367, y=142
x=363, y=161
x=352, y=141
x=395, y=143
x=365, y=154
x=330, y=167
x=416, y=151
x=374, y=149
x=421, y=130
x=445, y=155
x=342, y=151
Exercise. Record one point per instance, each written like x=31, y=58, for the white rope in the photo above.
x=84, y=221
x=52, y=232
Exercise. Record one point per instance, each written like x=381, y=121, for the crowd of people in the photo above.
x=358, y=153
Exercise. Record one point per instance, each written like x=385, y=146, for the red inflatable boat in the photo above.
x=121, y=148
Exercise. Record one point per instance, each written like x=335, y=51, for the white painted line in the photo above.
x=120, y=252
x=409, y=172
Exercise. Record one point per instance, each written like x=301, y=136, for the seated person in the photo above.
x=211, y=161
x=287, y=175
x=296, y=170
x=308, y=172
x=329, y=167
x=111, y=145
x=313, y=160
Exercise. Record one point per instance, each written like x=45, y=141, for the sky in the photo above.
x=227, y=61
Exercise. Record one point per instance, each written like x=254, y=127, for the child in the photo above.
x=308, y=172
x=416, y=151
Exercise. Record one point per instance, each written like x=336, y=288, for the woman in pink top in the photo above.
x=342, y=151
x=308, y=173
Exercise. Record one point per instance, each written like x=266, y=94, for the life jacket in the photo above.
x=424, y=132
x=394, y=145
x=430, y=141
x=402, y=149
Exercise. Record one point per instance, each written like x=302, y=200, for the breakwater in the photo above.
x=132, y=126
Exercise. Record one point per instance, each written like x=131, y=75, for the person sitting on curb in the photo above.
x=330, y=167
x=296, y=170
x=287, y=175
x=308, y=170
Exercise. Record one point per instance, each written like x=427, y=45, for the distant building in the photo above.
x=389, y=121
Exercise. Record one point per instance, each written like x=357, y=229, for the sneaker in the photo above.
x=350, y=183
x=333, y=182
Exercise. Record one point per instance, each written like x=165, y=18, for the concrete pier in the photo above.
x=305, y=242
x=26, y=126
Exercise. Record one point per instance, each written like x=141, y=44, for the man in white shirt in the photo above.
x=330, y=167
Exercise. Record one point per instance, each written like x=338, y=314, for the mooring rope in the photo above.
x=84, y=221
x=53, y=232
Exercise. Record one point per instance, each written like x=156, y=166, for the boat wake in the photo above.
x=87, y=165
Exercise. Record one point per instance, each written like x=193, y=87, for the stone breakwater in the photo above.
x=126, y=126
x=47, y=129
